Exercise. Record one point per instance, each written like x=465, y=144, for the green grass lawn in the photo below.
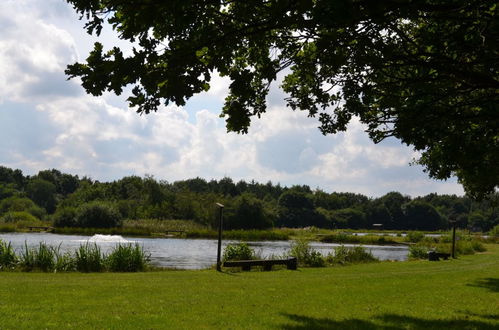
x=460, y=294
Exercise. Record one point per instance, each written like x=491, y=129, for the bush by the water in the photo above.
x=87, y=258
x=494, y=231
x=18, y=216
x=17, y=220
x=306, y=255
x=239, y=251
x=414, y=236
x=463, y=247
x=418, y=252
x=343, y=255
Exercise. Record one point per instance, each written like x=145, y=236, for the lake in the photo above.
x=182, y=253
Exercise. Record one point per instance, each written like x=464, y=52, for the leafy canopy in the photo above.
x=425, y=71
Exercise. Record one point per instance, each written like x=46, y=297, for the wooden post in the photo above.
x=220, y=224
x=453, y=239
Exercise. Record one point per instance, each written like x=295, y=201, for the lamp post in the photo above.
x=220, y=224
x=453, y=252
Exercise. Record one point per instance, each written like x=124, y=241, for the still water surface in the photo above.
x=182, y=253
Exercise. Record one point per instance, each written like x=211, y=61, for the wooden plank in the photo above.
x=31, y=228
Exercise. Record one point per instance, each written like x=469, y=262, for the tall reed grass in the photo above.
x=128, y=258
x=8, y=258
x=87, y=258
x=40, y=258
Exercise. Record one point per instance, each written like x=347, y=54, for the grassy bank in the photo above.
x=458, y=294
x=191, y=229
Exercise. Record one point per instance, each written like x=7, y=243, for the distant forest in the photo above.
x=54, y=196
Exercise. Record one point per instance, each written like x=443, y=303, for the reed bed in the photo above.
x=243, y=235
x=354, y=239
x=87, y=258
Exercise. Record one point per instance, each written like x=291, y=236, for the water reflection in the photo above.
x=182, y=253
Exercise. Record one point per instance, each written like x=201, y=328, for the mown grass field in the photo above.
x=459, y=294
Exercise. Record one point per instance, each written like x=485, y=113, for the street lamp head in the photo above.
x=220, y=205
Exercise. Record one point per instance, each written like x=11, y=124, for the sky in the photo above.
x=49, y=122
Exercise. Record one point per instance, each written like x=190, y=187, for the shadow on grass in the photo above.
x=387, y=322
x=485, y=316
x=489, y=283
x=228, y=272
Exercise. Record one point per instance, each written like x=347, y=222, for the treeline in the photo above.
x=68, y=200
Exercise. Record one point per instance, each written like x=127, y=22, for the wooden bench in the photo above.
x=40, y=228
x=435, y=256
x=291, y=263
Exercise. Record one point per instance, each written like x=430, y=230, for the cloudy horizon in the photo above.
x=49, y=122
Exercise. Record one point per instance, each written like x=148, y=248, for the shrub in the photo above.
x=8, y=258
x=358, y=254
x=88, y=258
x=418, y=252
x=239, y=251
x=343, y=256
x=306, y=255
x=37, y=212
x=414, y=236
x=463, y=247
x=17, y=204
x=469, y=247
x=98, y=215
x=127, y=258
x=478, y=246
x=494, y=231
x=18, y=217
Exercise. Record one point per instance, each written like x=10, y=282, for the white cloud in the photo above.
x=33, y=55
